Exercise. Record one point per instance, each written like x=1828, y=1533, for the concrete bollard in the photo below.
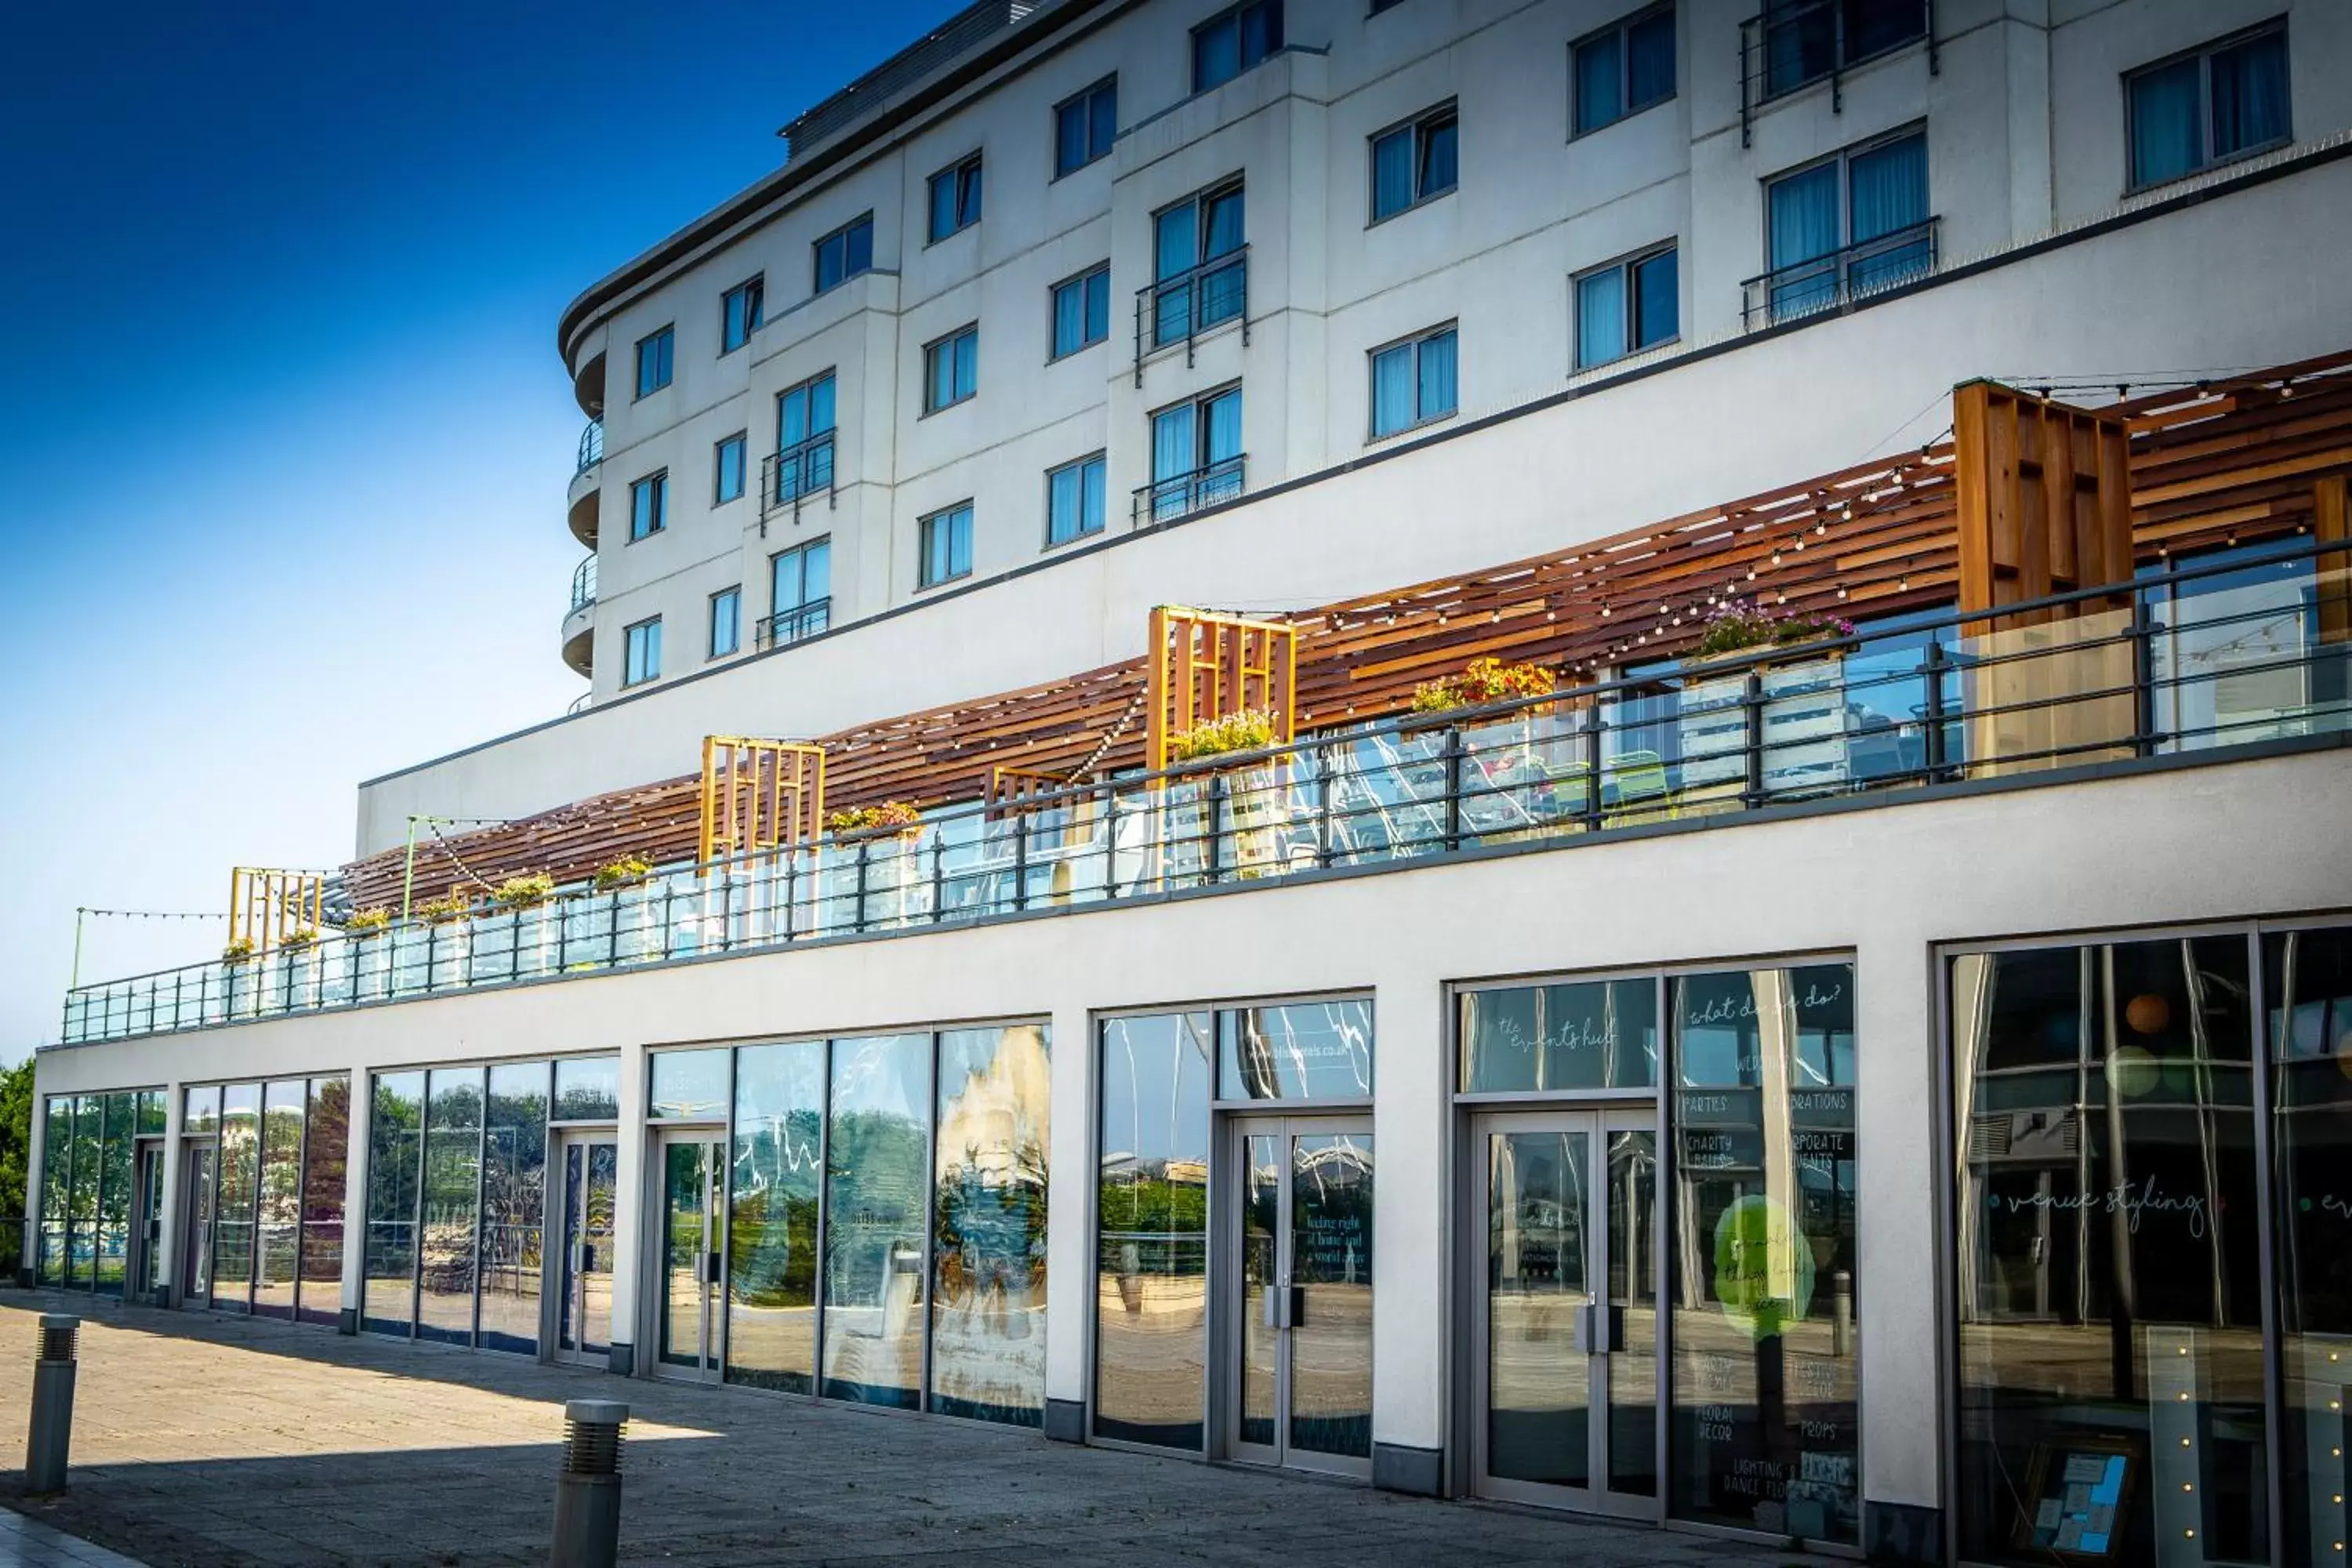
x=49, y=1435
x=588, y=1488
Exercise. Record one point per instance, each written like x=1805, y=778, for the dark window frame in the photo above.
x=659, y=480
x=754, y=291
x=1416, y=342
x=1242, y=65
x=947, y=341
x=667, y=337
x=629, y=641
x=1625, y=264
x=1084, y=102
x=971, y=162
x=816, y=254
x=1101, y=455
x=1418, y=127
x=924, y=525
x=1055, y=352
x=2203, y=54
x=1623, y=28
x=734, y=592
x=740, y=439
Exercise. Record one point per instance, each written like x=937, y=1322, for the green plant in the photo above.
x=1738, y=624
x=238, y=950
x=367, y=922
x=1251, y=730
x=891, y=813
x=1482, y=680
x=298, y=938
x=522, y=892
x=621, y=873
x=451, y=906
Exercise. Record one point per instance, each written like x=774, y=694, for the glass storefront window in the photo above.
x=233, y=1218
x=988, y=1260
x=688, y=1085
x=395, y=1179
x=114, y=1163
x=1152, y=1244
x=1536, y=1039
x=151, y=1113
x=201, y=1109
x=453, y=1173
x=56, y=1188
x=2107, y=1230
x=88, y=1155
x=514, y=1175
x=876, y=1178
x=588, y=1089
x=1304, y=1050
x=277, y=1235
x=1764, y=1425
x=326, y=1158
x=771, y=1249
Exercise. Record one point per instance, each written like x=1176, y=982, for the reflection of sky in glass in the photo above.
x=689, y=1085
x=1155, y=1086
x=1718, y=1033
x=774, y=1087
x=1315, y=1050
x=883, y=1073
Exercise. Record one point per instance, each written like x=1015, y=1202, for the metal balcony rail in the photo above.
x=1179, y=309
x=1181, y=494
x=1938, y=703
x=1831, y=281
x=591, y=448
x=794, y=625
x=1796, y=43
x=790, y=475
x=584, y=586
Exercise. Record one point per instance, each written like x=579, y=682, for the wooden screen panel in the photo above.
x=1204, y=667
x=2045, y=502
x=2330, y=525
x=266, y=904
x=758, y=794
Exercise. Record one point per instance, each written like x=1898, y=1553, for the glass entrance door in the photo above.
x=196, y=1234
x=1302, y=1387
x=583, y=1327
x=147, y=1224
x=1568, y=1327
x=693, y=1174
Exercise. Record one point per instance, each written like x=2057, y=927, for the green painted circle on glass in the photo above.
x=1763, y=1267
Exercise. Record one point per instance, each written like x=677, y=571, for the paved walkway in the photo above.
x=211, y=1441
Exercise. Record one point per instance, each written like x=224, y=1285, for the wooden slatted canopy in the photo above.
x=2227, y=462
x=1204, y=667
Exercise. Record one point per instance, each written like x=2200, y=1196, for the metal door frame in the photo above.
x=143, y=1254
x=712, y=1273
x=200, y=1151
x=1599, y=1118
x=559, y=1259
x=1232, y=1146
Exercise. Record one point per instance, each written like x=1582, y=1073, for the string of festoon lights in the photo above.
x=82, y=912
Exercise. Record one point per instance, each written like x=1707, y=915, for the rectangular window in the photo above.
x=653, y=353
x=1082, y=311
x=1415, y=163
x=650, y=506
x=1623, y=70
x=803, y=459
x=845, y=253
x=989, y=1224
x=1084, y=126
x=1627, y=306
x=946, y=546
x=1413, y=383
x=800, y=593
x=1196, y=454
x=1200, y=275
x=740, y=310
x=779, y=1094
x=394, y=1182
x=1232, y=41
x=726, y=469
x=2224, y=101
x=950, y=369
x=725, y=622
x=955, y=198
x=1074, y=499
x=1848, y=225
x=645, y=653
x=1801, y=41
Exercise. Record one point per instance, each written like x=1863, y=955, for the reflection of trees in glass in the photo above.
x=874, y=1176
x=772, y=1227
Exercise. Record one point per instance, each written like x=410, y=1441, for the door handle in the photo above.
x=1589, y=1328
x=711, y=1272
x=1270, y=1305
x=1297, y=1305
x=584, y=1258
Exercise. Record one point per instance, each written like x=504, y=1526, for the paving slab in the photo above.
x=205, y=1441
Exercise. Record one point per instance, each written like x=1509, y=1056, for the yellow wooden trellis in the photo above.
x=758, y=794
x=1204, y=667
x=267, y=904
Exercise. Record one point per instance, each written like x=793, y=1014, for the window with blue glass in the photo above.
x=1412, y=382
x=653, y=355
x=803, y=461
x=946, y=552
x=800, y=593
x=725, y=622
x=726, y=469
x=1200, y=276
x=1415, y=161
x=1084, y=126
x=650, y=506
x=1627, y=306
x=1854, y=222
x=955, y=198
x=1074, y=499
x=1232, y=41
x=1082, y=311
x=740, y=310
x=1801, y=41
x=845, y=253
x=1623, y=69
x=1196, y=454
x=952, y=369
x=644, y=662
x=2223, y=101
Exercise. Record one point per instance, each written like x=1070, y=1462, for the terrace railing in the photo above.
x=1792, y=44
x=794, y=474
x=1940, y=702
x=591, y=448
x=1177, y=311
x=1839, y=278
x=584, y=586
x=791, y=626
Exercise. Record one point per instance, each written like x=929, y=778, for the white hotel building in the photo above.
x=1469, y=1096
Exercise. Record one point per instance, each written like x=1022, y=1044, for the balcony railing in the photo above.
x=1828, y=282
x=1181, y=494
x=790, y=474
x=584, y=586
x=1797, y=43
x=1936, y=704
x=1177, y=311
x=792, y=625
x=591, y=448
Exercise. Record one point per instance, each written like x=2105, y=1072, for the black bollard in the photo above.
x=588, y=1488
x=49, y=1435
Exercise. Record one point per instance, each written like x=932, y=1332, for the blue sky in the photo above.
x=284, y=428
